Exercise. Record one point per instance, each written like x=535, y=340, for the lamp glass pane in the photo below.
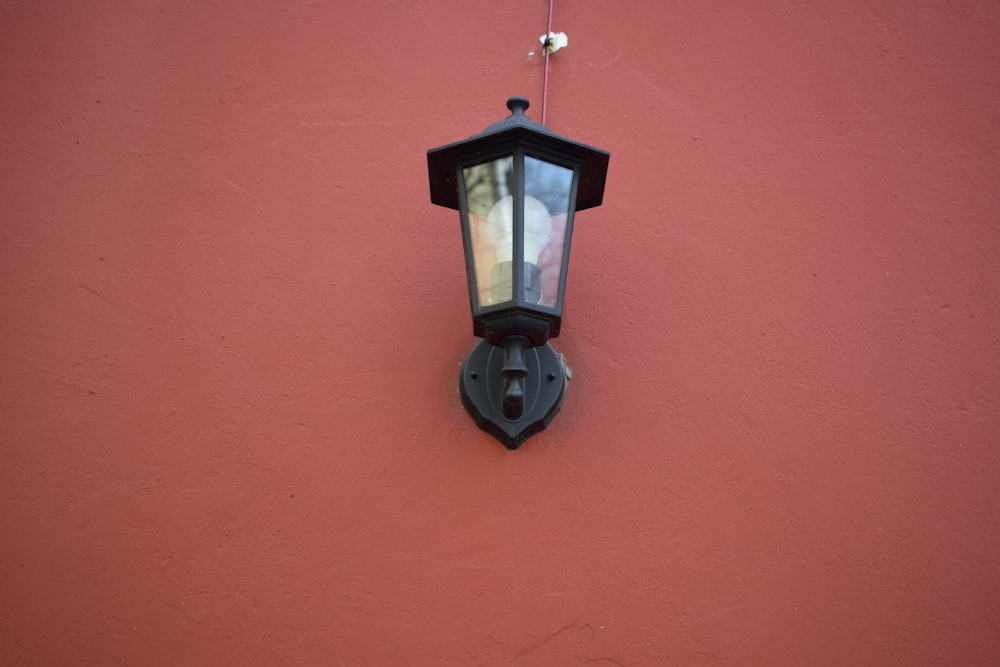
x=489, y=189
x=547, y=189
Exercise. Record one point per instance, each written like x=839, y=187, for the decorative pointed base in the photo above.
x=481, y=385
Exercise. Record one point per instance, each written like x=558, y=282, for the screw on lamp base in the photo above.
x=513, y=392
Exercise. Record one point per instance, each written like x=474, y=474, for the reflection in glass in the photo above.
x=485, y=185
x=551, y=186
x=489, y=195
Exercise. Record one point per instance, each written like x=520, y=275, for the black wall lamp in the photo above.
x=516, y=186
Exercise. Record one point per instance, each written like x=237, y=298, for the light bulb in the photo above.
x=537, y=228
x=500, y=232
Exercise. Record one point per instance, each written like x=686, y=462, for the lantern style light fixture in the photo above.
x=516, y=186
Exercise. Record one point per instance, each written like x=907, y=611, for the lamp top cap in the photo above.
x=518, y=105
x=517, y=118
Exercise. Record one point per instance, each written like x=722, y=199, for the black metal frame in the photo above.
x=513, y=382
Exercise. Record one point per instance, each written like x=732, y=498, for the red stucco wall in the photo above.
x=232, y=322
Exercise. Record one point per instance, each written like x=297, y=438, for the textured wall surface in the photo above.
x=232, y=322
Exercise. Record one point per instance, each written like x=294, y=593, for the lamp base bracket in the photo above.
x=481, y=386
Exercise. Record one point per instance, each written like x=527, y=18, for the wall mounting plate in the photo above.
x=481, y=387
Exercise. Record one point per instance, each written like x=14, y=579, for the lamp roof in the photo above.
x=503, y=137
